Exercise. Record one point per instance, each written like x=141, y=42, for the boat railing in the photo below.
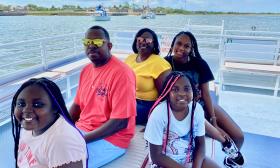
x=252, y=33
x=41, y=52
x=67, y=83
x=253, y=49
x=43, y=55
x=251, y=64
x=36, y=55
x=22, y=59
x=208, y=41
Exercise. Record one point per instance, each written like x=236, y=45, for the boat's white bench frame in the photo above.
x=268, y=66
x=262, y=68
x=77, y=65
x=271, y=71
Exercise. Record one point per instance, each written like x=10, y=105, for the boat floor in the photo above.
x=259, y=151
x=137, y=152
x=254, y=113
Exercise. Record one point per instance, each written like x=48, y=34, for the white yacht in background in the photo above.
x=101, y=14
x=147, y=13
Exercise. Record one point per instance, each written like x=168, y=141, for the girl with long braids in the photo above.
x=43, y=131
x=175, y=129
x=219, y=125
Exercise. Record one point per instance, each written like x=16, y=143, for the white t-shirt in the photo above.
x=58, y=145
x=179, y=131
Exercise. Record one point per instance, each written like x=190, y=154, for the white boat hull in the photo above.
x=102, y=18
x=149, y=15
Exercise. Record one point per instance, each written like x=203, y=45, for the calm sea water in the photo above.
x=21, y=28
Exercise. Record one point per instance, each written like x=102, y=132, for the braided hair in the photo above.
x=164, y=93
x=194, y=52
x=57, y=101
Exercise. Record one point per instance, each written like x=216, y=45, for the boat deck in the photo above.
x=257, y=115
x=249, y=93
x=260, y=124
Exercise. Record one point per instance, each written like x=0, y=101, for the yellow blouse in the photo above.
x=146, y=72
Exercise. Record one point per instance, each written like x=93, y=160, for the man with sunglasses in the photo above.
x=104, y=108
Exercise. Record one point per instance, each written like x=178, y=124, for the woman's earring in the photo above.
x=193, y=53
x=171, y=50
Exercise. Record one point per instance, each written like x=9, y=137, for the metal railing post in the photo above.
x=276, y=88
x=277, y=53
x=43, y=55
x=68, y=88
x=74, y=44
x=187, y=28
x=221, y=56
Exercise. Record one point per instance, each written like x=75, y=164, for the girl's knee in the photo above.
x=209, y=163
x=240, y=137
x=238, y=140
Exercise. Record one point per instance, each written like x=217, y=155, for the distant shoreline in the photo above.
x=113, y=10
x=89, y=14
x=84, y=13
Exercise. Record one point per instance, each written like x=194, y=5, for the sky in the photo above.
x=257, y=6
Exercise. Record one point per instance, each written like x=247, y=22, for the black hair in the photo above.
x=156, y=49
x=96, y=27
x=164, y=93
x=56, y=98
x=194, y=52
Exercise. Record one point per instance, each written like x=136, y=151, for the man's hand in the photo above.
x=75, y=111
x=107, y=129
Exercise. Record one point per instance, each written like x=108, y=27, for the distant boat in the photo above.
x=148, y=15
x=101, y=14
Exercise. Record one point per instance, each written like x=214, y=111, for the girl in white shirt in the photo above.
x=175, y=129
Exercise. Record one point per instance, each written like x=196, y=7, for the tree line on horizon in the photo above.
x=115, y=8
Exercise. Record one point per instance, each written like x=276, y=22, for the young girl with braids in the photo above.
x=219, y=125
x=175, y=129
x=43, y=131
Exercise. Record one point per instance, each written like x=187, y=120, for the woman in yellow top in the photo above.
x=150, y=70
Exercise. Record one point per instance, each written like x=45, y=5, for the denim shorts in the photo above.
x=143, y=109
x=102, y=152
